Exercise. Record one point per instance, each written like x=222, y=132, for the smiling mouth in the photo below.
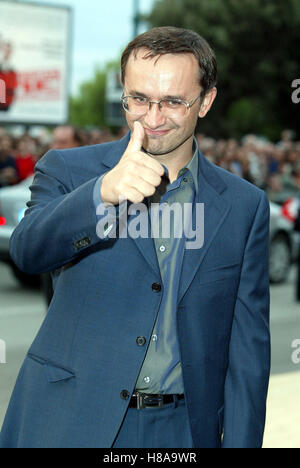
x=156, y=133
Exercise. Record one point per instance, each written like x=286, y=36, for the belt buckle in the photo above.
x=143, y=397
x=140, y=400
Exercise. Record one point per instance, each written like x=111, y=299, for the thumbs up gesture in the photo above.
x=135, y=177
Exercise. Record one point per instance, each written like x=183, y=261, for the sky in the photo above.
x=101, y=30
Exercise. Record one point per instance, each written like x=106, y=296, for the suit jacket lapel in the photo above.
x=216, y=209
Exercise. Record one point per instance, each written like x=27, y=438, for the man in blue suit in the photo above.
x=151, y=340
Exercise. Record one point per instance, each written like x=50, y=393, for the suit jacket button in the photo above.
x=141, y=340
x=124, y=394
x=156, y=287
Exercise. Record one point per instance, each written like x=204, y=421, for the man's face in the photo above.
x=63, y=138
x=170, y=75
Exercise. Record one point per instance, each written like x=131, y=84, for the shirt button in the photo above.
x=154, y=337
x=124, y=394
x=147, y=379
x=141, y=340
x=156, y=287
x=162, y=248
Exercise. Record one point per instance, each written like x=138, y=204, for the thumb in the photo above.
x=137, y=137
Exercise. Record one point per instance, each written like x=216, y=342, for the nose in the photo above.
x=154, y=117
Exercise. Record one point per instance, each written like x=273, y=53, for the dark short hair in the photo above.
x=171, y=40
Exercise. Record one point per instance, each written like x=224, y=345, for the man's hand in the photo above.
x=135, y=177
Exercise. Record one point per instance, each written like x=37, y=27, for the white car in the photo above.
x=12, y=208
x=284, y=241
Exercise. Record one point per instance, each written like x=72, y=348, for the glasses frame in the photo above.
x=187, y=104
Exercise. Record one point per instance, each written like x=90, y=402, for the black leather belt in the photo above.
x=146, y=400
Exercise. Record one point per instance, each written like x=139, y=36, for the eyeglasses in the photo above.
x=140, y=105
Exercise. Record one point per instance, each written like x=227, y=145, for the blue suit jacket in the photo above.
x=68, y=392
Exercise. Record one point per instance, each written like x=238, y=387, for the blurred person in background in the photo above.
x=290, y=177
x=274, y=186
x=8, y=169
x=97, y=136
x=25, y=157
x=67, y=136
x=275, y=159
x=286, y=140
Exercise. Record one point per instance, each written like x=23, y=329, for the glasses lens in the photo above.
x=173, y=108
x=135, y=105
x=138, y=105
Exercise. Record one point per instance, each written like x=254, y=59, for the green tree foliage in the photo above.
x=88, y=107
x=257, y=44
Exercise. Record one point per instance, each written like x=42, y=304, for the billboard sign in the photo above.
x=34, y=63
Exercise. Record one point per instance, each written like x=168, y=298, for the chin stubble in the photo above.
x=161, y=153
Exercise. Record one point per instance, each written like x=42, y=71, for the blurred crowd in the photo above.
x=274, y=167
x=19, y=153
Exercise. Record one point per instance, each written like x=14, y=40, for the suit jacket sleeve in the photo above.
x=249, y=354
x=60, y=222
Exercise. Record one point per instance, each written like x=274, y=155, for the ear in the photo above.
x=207, y=102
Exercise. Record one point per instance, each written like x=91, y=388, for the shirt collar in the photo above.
x=192, y=165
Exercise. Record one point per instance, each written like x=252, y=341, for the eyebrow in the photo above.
x=137, y=93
